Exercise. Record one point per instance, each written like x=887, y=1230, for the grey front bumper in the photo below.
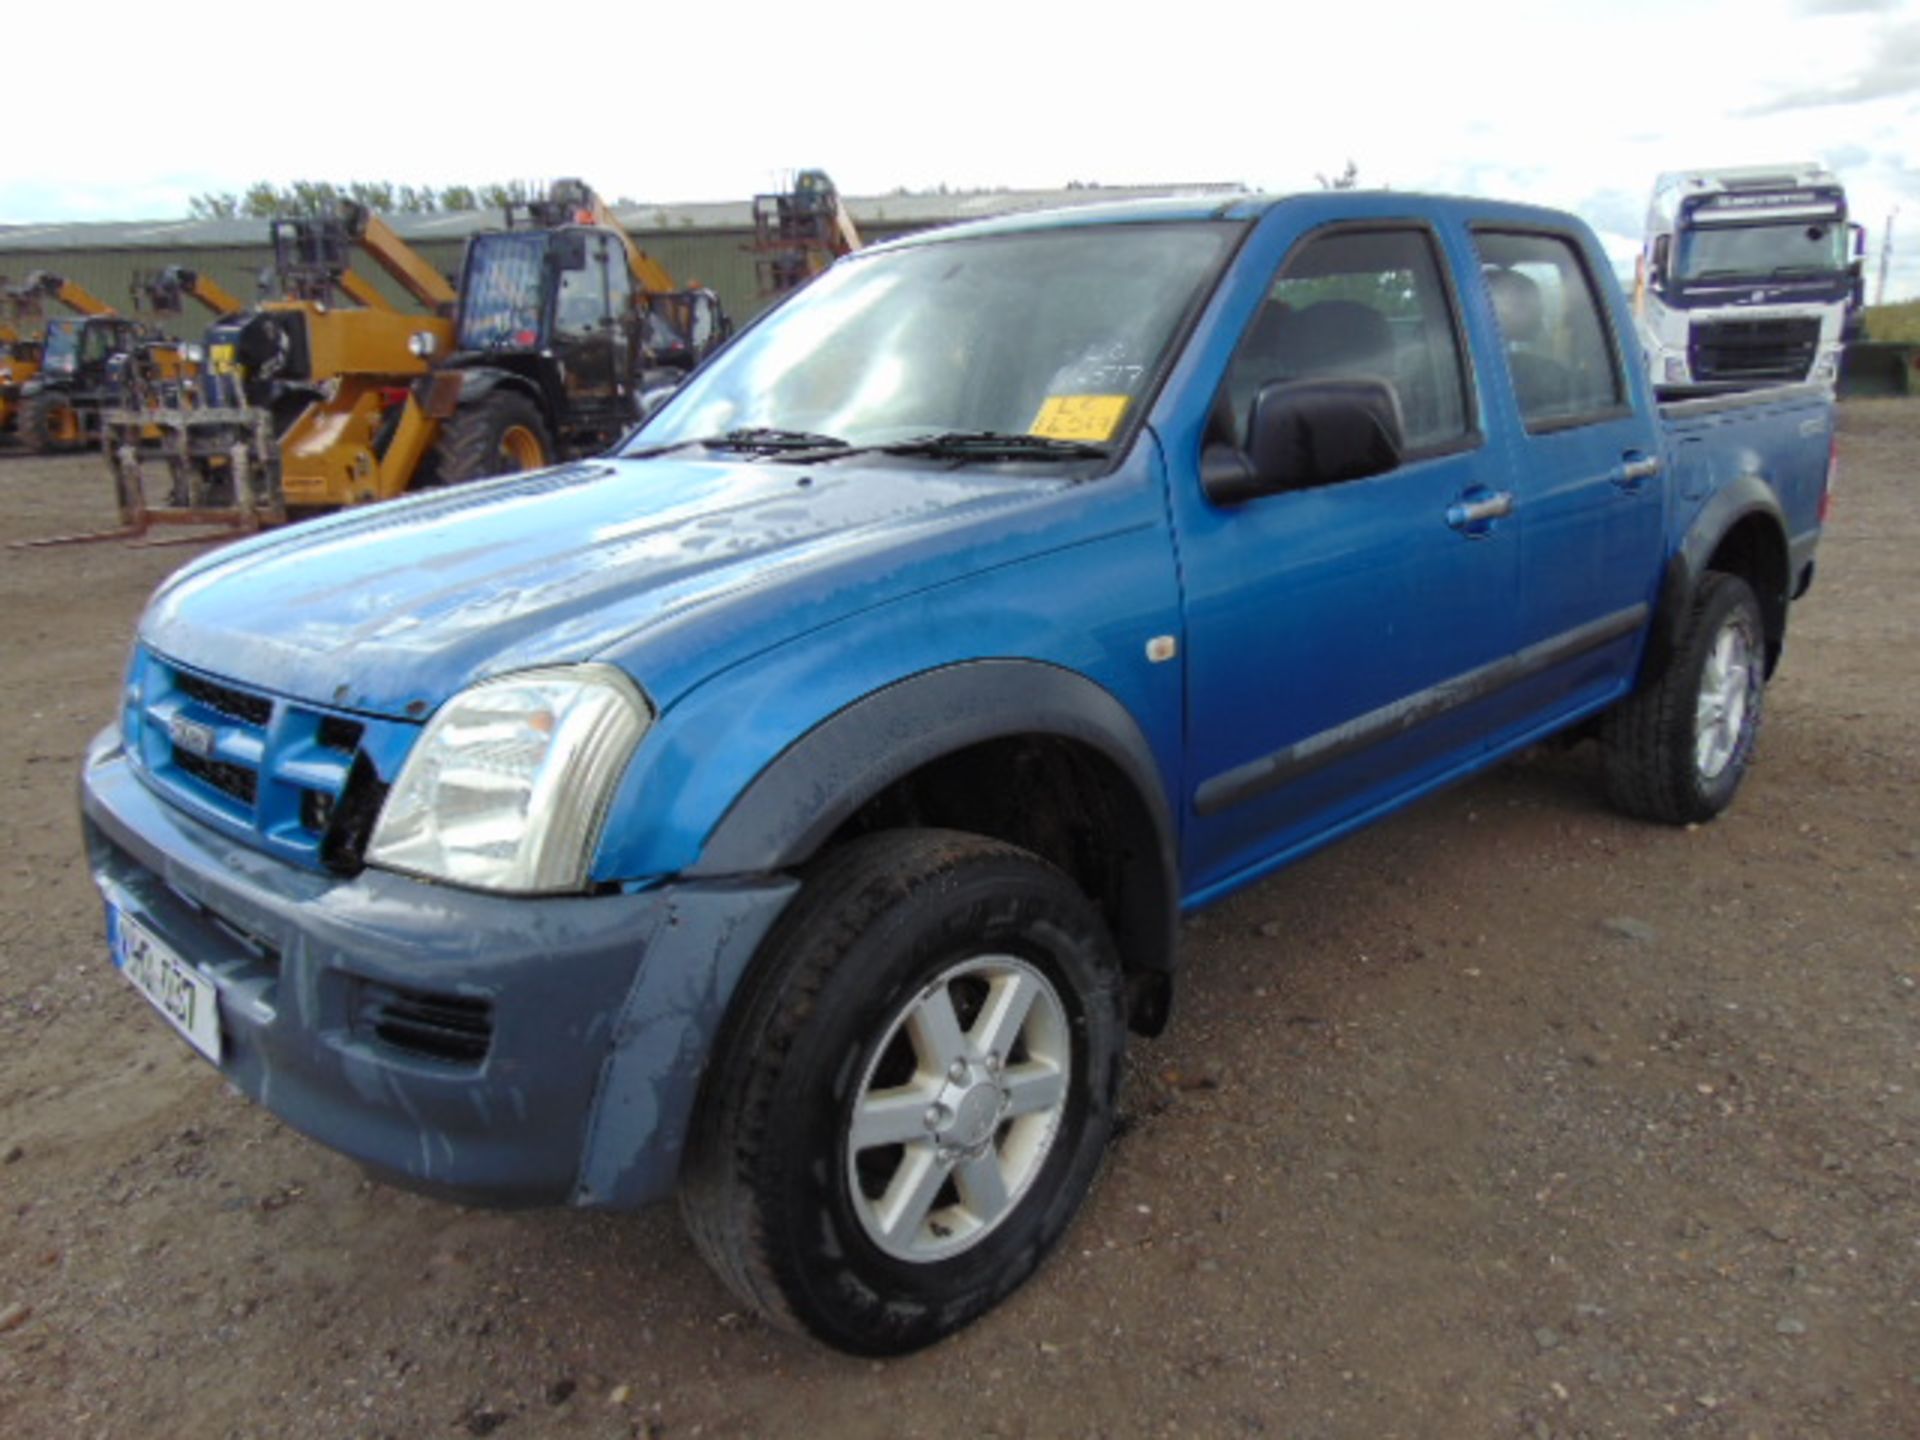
x=599, y=1012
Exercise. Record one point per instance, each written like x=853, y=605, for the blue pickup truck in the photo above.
x=794, y=810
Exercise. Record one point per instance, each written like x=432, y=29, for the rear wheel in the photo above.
x=1677, y=748
x=915, y=1092
x=498, y=434
x=48, y=422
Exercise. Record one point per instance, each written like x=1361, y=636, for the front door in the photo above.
x=1344, y=643
x=589, y=339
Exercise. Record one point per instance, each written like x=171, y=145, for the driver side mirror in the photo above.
x=1307, y=433
x=1657, y=271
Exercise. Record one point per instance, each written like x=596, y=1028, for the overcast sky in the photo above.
x=1571, y=104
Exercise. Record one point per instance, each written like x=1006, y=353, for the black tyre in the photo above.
x=914, y=1093
x=498, y=434
x=1677, y=748
x=48, y=423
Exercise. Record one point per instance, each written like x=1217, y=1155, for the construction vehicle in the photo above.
x=60, y=406
x=160, y=371
x=301, y=375
x=797, y=233
x=19, y=360
x=564, y=324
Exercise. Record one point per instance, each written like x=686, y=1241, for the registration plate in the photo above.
x=178, y=991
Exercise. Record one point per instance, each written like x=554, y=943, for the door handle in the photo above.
x=1466, y=514
x=1634, y=470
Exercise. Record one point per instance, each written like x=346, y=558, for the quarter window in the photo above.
x=1359, y=304
x=1558, y=348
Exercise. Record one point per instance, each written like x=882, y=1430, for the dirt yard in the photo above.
x=1507, y=1118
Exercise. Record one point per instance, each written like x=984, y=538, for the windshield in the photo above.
x=1760, y=252
x=500, y=307
x=63, y=347
x=1052, y=332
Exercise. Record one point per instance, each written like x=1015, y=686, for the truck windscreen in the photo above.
x=1055, y=332
x=1763, y=252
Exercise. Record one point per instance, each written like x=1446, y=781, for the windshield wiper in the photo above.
x=756, y=439
x=996, y=445
x=1783, y=272
x=949, y=444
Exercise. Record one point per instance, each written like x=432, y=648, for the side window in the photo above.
x=1359, y=304
x=1559, y=351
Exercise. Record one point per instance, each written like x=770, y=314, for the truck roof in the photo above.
x=1342, y=204
x=1790, y=175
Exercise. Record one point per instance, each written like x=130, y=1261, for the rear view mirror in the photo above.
x=1305, y=433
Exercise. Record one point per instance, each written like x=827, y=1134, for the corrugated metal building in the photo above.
x=705, y=243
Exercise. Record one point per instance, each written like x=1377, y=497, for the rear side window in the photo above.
x=1559, y=351
x=1360, y=304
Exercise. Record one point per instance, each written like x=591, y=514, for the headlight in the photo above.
x=1676, y=370
x=192, y=354
x=422, y=344
x=1824, y=372
x=507, y=788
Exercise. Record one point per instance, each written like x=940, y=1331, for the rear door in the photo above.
x=1588, y=493
x=1344, y=643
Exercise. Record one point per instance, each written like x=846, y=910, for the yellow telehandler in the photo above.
x=303, y=370
x=563, y=325
x=60, y=405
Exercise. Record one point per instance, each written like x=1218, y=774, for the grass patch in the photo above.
x=1897, y=323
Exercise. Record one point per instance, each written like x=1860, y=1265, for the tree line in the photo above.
x=264, y=200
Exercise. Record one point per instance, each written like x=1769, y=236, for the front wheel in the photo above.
x=915, y=1092
x=498, y=434
x=48, y=423
x=1677, y=748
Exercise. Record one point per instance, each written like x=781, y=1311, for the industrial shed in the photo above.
x=709, y=244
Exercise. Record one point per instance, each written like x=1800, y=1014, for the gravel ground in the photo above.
x=1507, y=1118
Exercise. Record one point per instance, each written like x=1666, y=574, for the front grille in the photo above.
x=303, y=783
x=455, y=1028
x=234, y=780
x=253, y=709
x=1754, y=349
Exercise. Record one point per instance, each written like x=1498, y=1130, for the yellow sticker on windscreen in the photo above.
x=1079, y=417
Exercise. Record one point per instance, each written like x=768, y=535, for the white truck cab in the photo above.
x=1748, y=274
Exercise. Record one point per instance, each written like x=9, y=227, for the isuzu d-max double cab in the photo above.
x=794, y=810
